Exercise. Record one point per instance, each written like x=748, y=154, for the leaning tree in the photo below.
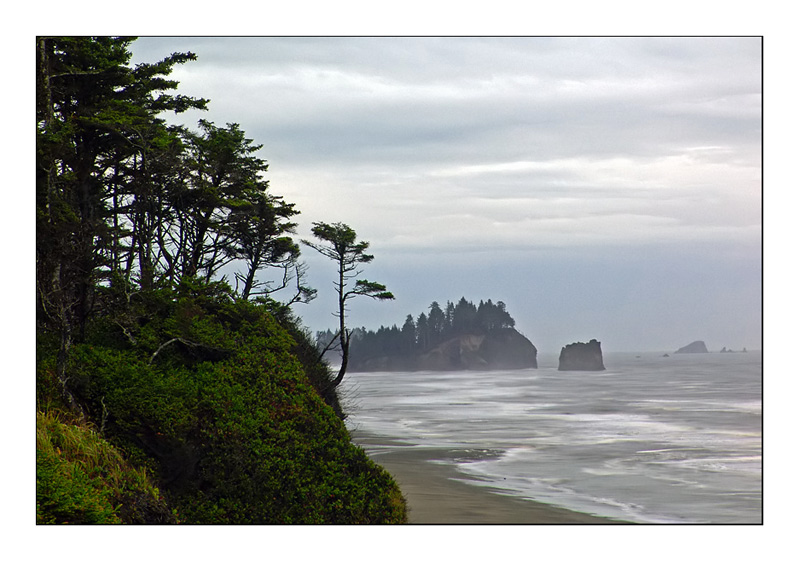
x=338, y=242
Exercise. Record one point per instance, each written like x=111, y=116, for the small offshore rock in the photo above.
x=581, y=356
x=694, y=347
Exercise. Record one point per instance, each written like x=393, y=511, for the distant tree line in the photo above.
x=428, y=330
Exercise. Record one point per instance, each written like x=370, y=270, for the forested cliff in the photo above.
x=166, y=393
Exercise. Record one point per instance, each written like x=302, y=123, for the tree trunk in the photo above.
x=344, y=337
x=249, y=280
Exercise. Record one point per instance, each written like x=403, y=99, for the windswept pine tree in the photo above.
x=338, y=242
x=100, y=143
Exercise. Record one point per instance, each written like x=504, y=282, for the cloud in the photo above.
x=370, y=98
x=444, y=152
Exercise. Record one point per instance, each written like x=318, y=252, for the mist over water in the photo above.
x=652, y=439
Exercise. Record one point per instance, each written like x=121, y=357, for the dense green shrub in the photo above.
x=226, y=416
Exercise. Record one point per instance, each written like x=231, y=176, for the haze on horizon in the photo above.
x=605, y=188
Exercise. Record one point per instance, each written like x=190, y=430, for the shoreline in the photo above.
x=437, y=493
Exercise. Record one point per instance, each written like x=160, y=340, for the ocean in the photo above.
x=651, y=439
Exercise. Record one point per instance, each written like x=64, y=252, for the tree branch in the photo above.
x=126, y=332
x=162, y=346
x=329, y=346
x=187, y=343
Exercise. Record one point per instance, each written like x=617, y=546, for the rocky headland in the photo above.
x=503, y=348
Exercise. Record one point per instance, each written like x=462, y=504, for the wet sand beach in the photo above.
x=438, y=494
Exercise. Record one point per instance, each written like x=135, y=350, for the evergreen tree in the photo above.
x=450, y=311
x=464, y=317
x=409, y=336
x=94, y=114
x=423, y=332
x=338, y=242
x=436, y=323
x=223, y=180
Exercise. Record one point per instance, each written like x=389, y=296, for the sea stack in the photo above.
x=502, y=348
x=694, y=347
x=581, y=357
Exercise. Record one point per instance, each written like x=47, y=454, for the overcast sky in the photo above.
x=604, y=188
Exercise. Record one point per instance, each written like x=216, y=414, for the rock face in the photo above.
x=506, y=348
x=499, y=349
x=694, y=347
x=457, y=354
x=581, y=357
